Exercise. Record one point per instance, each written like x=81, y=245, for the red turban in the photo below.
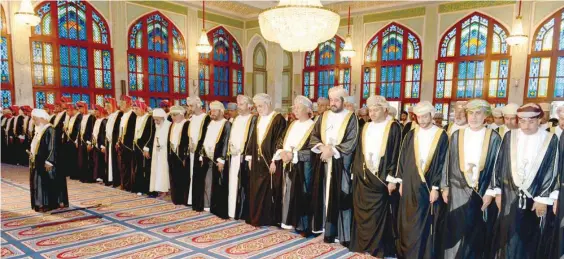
x=81, y=104
x=164, y=103
x=26, y=108
x=112, y=102
x=63, y=100
x=140, y=104
x=49, y=106
x=101, y=109
x=126, y=98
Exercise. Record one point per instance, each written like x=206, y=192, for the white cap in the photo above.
x=377, y=100
x=300, y=99
x=159, y=113
x=216, y=105
x=510, y=109
x=40, y=113
x=424, y=107
x=194, y=100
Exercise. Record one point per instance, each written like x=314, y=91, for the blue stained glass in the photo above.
x=559, y=84
x=158, y=68
x=306, y=82
x=151, y=65
x=159, y=83
x=183, y=85
x=5, y=74
x=440, y=89
x=74, y=56
x=75, y=98
x=4, y=48
x=152, y=83
x=182, y=101
x=64, y=55
x=182, y=69
x=75, y=78
x=327, y=53
x=165, y=66
x=65, y=80
x=40, y=99
x=83, y=57
x=84, y=77
x=108, y=79
x=6, y=98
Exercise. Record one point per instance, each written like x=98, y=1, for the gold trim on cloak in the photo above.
x=220, y=132
x=199, y=133
x=40, y=135
x=513, y=152
x=341, y=133
x=142, y=129
x=383, y=146
x=433, y=147
x=483, y=156
x=304, y=138
x=259, y=143
x=245, y=135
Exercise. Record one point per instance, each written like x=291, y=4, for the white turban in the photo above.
x=40, y=113
x=231, y=106
x=177, y=109
x=338, y=91
x=497, y=112
x=460, y=105
x=215, y=105
x=560, y=110
x=510, y=109
x=159, y=113
x=377, y=100
x=194, y=100
x=262, y=97
x=247, y=99
x=392, y=111
x=300, y=99
x=423, y=108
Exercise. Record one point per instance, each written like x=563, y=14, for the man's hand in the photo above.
x=220, y=167
x=146, y=154
x=555, y=207
x=445, y=195
x=434, y=196
x=89, y=148
x=103, y=150
x=391, y=187
x=272, y=168
x=539, y=208
x=400, y=189
x=48, y=167
x=498, y=201
x=76, y=144
x=486, y=200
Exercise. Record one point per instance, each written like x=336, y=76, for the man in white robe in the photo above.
x=510, y=119
x=238, y=202
x=497, y=115
x=460, y=121
x=159, y=181
x=199, y=121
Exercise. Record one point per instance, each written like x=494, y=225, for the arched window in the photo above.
x=392, y=65
x=545, y=76
x=287, y=86
x=324, y=68
x=156, y=58
x=71, y=53
x=6, y=75
x=259, y=70
x=473, y=62
x=221, y=71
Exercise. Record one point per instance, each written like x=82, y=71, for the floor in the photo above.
x=124, y=225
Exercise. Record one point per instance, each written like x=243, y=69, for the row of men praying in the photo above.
x=388, y=189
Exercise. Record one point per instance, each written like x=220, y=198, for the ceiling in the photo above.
x=249, y=9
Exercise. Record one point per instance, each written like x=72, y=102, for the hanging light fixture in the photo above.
x=348, y=50
x=203, y=45
x=298, y=25
x=26, y=14
x=517, y=36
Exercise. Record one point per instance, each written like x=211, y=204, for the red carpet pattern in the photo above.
x=119, y=224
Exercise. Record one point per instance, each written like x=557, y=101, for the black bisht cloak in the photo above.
x=179, y=165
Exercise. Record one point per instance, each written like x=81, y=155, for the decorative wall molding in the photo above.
x=470, y=5
x=163, y=5
x=396, y=14
x=222, y=20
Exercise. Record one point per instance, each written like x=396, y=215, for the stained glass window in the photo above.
x=473, y=63
x=71, y=53
x=221, y=71
x=545, y=75
x=259, y=70
x=392, y=65
x=156, y=60
x=325, y=68
x=6, y=72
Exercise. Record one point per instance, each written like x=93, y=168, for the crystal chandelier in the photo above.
x=298, y=25
x=203, y=45
x=26, y=14
x=348, y=50
x=517, y=36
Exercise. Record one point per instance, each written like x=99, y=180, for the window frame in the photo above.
x=8, y=86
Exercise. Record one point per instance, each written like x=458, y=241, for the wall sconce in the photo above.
x=516, y=82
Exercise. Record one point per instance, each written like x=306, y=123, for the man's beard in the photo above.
x=336, y=109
